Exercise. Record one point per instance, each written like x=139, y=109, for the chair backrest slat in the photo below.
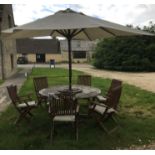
x=114, y=83
x=64, y=105
x=84, y=80
x=12, y=91
x=114, y=97
x=40, y=83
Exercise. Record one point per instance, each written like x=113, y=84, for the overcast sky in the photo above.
x=135, y=14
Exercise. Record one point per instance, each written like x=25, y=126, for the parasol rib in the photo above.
x=108, y=31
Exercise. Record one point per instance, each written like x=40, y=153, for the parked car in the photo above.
x=22, y=60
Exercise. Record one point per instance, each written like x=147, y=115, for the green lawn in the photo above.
x=1, y=81
x=136, y=118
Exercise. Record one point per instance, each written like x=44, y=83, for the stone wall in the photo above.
x=57, y=57
x=0, y=62
x=32, y=57
x=9, y=57
x=8, y=47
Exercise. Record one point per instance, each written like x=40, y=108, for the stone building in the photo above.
x=39, y=50
x=81, y=50
x=42, y=50
x=7, y=47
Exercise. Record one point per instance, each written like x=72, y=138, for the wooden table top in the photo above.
x=86, y=91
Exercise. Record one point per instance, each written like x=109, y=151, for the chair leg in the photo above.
x=76, y=130
x=103, y=127
x=21, y=116
x=52, y=132
x=114, y=119
x=30, y=113
x=39, y=103
x=108, y=131
x=17, y=120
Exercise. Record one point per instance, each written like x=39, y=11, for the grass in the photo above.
x=136, y=117
x=1, y=81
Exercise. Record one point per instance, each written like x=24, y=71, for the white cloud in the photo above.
x=136, y=14
x=24, y=13
x=148, y=14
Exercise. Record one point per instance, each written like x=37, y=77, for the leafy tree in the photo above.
x=150, y=28
x=134, y=53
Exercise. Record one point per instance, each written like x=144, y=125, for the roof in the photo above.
x=38, y=46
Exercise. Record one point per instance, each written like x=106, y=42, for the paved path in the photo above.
x=17, y=79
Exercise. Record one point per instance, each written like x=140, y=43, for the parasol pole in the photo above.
x=69, y=34
x=70, y=61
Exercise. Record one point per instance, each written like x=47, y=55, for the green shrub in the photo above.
x=134, y=53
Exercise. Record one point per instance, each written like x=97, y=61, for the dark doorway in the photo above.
x=40, y=58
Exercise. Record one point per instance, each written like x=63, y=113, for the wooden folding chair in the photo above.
x=63, y=109
x=23, y=104
x=104, y=112
x=114, y=83
x=40, y=83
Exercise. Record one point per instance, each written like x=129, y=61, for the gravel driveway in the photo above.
x=143, y=80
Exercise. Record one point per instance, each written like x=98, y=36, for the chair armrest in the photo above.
x=24, y=99
x=95, y=103
x=101, y=98
x=49, y=109
x=27, y=96
x=77, y=109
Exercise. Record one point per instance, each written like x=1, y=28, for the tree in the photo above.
x=150, y=28
x=134, y=53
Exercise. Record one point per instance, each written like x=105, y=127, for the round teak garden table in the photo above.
x=85, y=92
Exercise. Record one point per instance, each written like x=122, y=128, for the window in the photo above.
x=79, y=54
